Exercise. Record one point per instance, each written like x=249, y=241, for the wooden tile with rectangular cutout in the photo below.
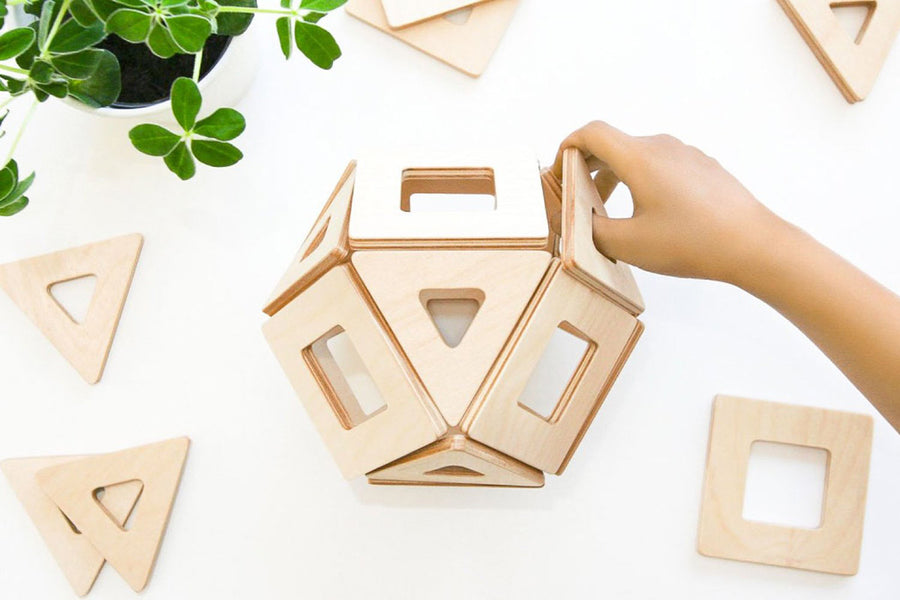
x=457, y=460
x=834, y=547
x=324, y=247
x=402, y=13
x=358, y=442
x=85, y=345
x=580, y=200
x=73, y=486
x=497, y=418
x=852, y=63
x=79, y=561
x=467, y=47
x=381, y=215
x=403, y=282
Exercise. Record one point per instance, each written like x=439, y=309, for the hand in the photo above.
x=691, y=217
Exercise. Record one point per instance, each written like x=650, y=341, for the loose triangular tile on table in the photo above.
x=85, y=345
x=79, y=561
x=402, y=13
x=158, y=467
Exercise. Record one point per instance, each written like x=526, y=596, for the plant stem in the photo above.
x=22, y=128
x=45, y=51
x=6, y=102
x=13, y=70
x=198, y=61
x=250, y=10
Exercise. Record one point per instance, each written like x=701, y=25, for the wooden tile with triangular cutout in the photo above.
x=402, y=13
x=85, y=345
x=79, y=561
x=402, y=282
x=132, y=552
x=458, y=460
x=853, y=63
x=465, y=46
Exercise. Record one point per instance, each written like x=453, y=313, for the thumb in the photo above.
x=615, y=238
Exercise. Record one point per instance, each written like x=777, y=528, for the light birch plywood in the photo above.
x=324, y=247
x=499, y=421
x=853, y=64
x=580, y=199
x=402, y=282
x=79, y=561
x=132, y=552
x=467, y=47
x=378, y=218
x=834, y=547
x=85, y=345
x=552, y=200
x=410, y=419
x=457, y=460
x=402, y=13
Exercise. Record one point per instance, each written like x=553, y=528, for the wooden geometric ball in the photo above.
x=395, y=392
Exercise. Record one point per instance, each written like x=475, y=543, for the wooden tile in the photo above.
x=457, y=460
x=835, y=546
x=467, y=47
x=402, y=282
x=410, y=419
x=499, y=421
x=324, y=247
x=85, y=345
x=402, y=13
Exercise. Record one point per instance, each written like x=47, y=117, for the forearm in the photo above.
x=852, y=318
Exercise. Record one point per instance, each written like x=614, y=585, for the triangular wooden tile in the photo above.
x=79, y=560
x=458, y=460
x=402, y=282
x=467, y=47
x=85, y=345
x=401, y=13
x=158, y=467
x=853, y=64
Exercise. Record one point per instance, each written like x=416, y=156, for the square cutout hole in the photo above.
x=557, y=373
x=785, y=485
x=344, y=379
x=448, y=190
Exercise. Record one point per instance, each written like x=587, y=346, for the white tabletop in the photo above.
x=262, y=510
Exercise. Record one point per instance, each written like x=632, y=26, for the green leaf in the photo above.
x=173, y=3
x=161, y=43
x=285, y=3
x=16, y=87
x=82, y=13
x=313, y=17
x=186, y=101
x=321, y=5
x=57, y=89
x=13, y=207
x=26, y=59
x=317, y=44
x=103, y=8
x=15, y=42
x=14, y=201
x=234, y=24
x=225, y=124
x=80, y=65
x=130, y=25
x=181, y=162
x=215, y=154
x=41, y=72
x=145, y=5
x=283, y=27
x=189, y=32
x=73, y=37
x=44, y=22
x=153, y=139
x=103, y=87
x=8, y=181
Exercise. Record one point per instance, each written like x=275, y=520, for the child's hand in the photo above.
x=691, y=217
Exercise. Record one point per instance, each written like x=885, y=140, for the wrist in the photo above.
x=763, y=256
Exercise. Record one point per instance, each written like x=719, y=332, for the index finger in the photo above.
x=602, y=141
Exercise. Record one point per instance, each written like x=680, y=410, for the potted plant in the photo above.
x=137, y=53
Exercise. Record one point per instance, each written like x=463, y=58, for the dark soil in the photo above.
x=147, y=79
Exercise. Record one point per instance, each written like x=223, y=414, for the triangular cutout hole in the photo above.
x=854, y=16
x=459, y=17
x=452, y=311
x=74, y=296
x=120, y=495
x=454, y=471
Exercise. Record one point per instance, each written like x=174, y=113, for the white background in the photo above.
x=262, y=510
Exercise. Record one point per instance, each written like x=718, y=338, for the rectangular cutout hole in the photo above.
x=785, y=485
x=448, y=190
x=557, y=373
x=344, y=379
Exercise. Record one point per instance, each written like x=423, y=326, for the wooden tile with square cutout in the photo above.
x=498, y=420
x=324, y=247
x=401, y=282
x=852, y=62
x=467, y=47
x=381, y=217
x=834, y=547
x=580, y=200
x=457, y=460
x=410, y=419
